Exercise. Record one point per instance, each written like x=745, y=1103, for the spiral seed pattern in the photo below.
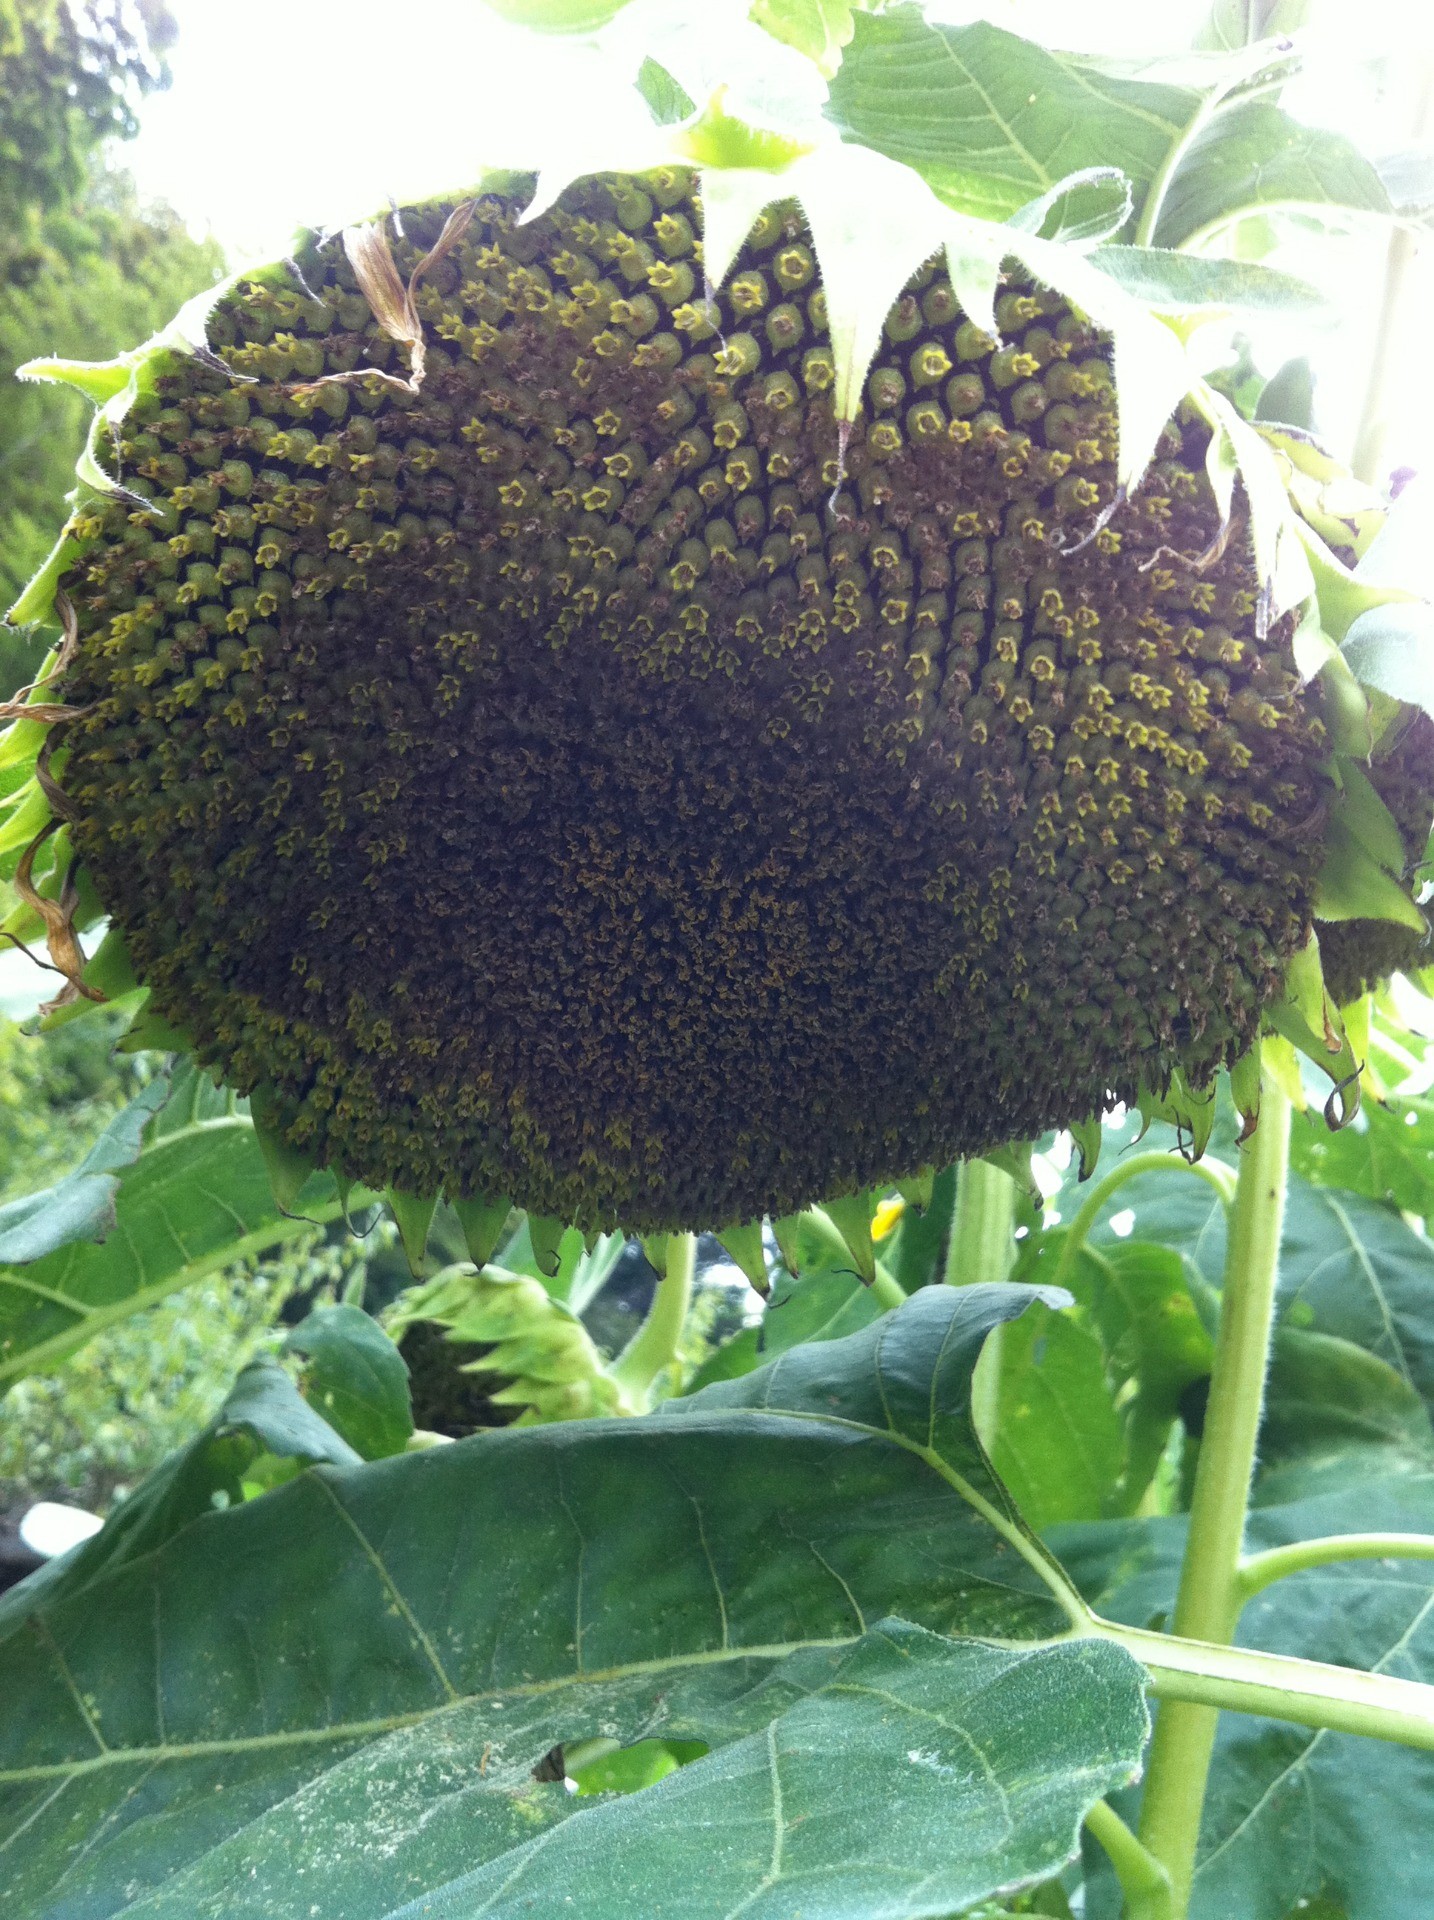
x=597, y=778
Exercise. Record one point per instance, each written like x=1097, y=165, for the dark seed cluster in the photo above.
x=1358, y=955
x=596, y=779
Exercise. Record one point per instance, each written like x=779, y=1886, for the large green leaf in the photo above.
x=331, y=1700
x=1291, y=1811
x=1335, y=1416
x=1386, y=1153
x=196, y=1199
x=1254, y=159
x=1352, y=1267
x=816, y=1305
x=993, y=121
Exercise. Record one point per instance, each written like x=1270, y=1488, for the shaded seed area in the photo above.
x=584, y=780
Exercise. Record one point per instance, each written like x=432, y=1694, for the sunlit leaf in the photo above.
x=1256, y=158
x=993, y=121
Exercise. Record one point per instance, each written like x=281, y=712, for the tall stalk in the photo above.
x=1211, y=1587
x=983, y=1247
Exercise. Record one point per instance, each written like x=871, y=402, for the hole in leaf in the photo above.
x=628, y=1769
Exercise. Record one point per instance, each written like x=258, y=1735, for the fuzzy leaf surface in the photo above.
x=329, y=1702
x=1294, y=1812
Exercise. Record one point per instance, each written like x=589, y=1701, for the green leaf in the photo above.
x=817, y=28
x=1292, y=1811
x=1354, y=1268
x=1241, y=23
x=332, y=1699
x=1086, y=207
x=356, y=1378
x=1175, y=1209
x=558, y=16
x=1392, y=648
x=667, y=100
x=195, y=1200
x=1059, y=1443
x=1335, y=1416
x=1387, y=1153
x=1254, y=158
x=413, y=1215
x=1084, y=1424
x=82, y=1205
x=263, y=1413
x=993, y=121
x=1155, y=1341
x=1287, y=397
x=290, y=1170
x=1184, y=282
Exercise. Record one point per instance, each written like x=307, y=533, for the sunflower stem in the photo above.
x=983, y=1247
x=1143, y=1881
x=1211, y=1592
x=1385, y=370
x=653, y=1348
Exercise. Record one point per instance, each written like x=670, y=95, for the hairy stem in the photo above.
x=1143, y=1881
x=1208, y=1603
x=1192, y=1675
x=983, y=1247
x=1261, y=1570
x=653, y=1348
x=1213, y=1172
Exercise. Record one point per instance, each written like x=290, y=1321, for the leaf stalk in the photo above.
x=1261, y=1570
x=1143, y=1881
x=1213, y=1172
x=653, y=1348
